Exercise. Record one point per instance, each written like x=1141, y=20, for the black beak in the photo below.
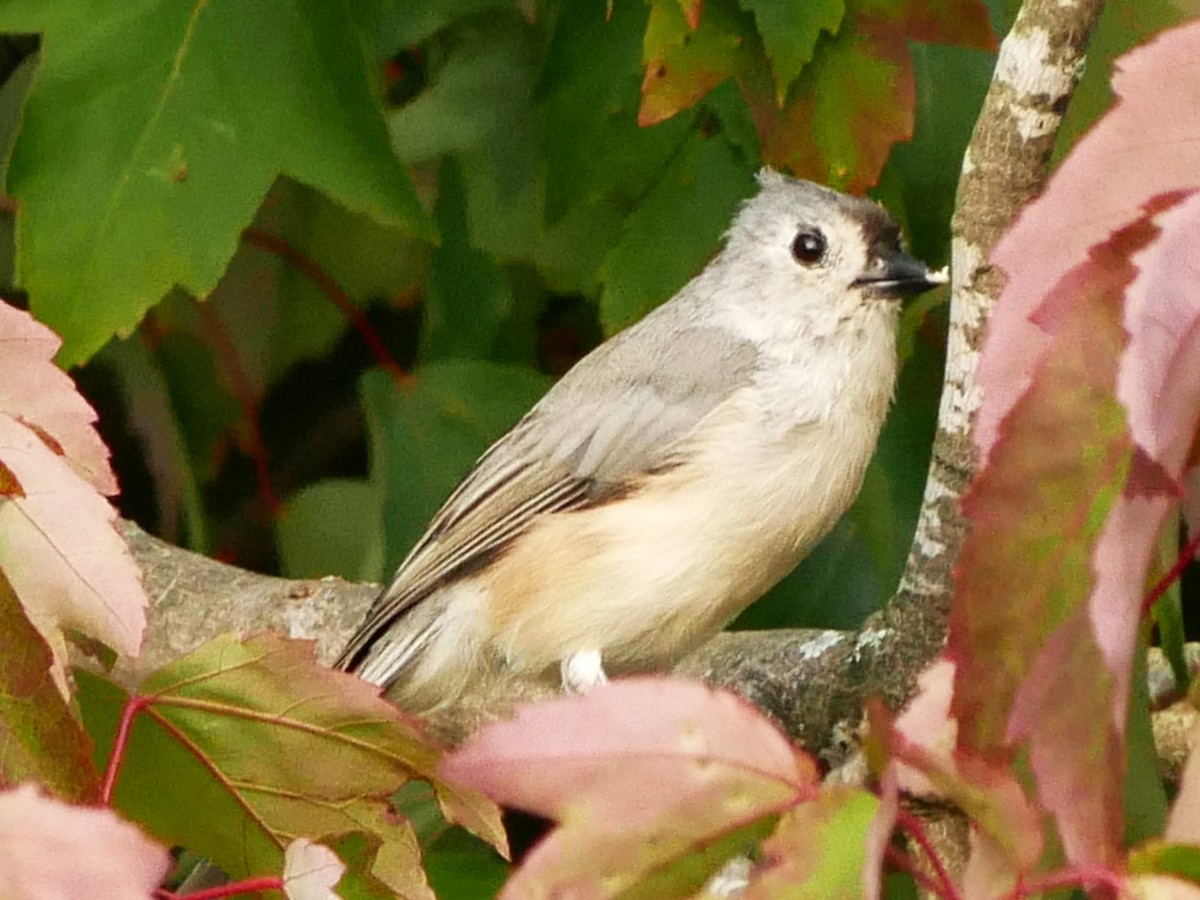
x=896, y=274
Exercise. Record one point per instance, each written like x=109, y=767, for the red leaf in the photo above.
x=1147, y=146
x=40, y=394
x=1038, y=507
x=1064, y=713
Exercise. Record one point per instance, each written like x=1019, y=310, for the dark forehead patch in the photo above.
x=877, y=225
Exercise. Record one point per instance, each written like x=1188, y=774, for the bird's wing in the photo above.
x=617, y=414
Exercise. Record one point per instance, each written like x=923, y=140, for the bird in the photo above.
x=673, y=475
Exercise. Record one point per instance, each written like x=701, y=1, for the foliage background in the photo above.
x=468, y=183
x=512, y=213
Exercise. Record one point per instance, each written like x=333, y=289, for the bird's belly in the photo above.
x=647, y=578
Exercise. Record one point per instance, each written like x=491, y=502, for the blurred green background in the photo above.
x=309, y=259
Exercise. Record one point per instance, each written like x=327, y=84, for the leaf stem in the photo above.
x=226, y=890
x=1186, y=555
x=911, y=825
x=116, y=757
x=309, y=268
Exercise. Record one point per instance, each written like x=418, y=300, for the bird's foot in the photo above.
x=583, y=671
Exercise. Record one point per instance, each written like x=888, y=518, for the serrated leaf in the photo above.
x=683, y=63
x=61, y=552
x=850, y=104
x=1145, y=151
x=39, y=393
x=654, y=783
x=1038, y=507
x=789, y=30
x=185, y=133
x=328, y=753
x=42, y=740
x=1063, y=713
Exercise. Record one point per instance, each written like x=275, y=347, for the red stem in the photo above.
x=247, y=398
x=116, y=757
x=308, y=267
x=1181, y=562
x=912, y=826
x=226, y=890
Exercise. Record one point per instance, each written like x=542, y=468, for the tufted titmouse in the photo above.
x=673, y=475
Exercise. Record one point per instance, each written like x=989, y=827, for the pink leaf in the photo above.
x=1148, y=146
x=311, y=871
x=1159, y=378
x=40, y=394
x=926, y=722
x=654, y=783
x=60, y=551
x=50, y=850
x=989, y=794
x=1038, y=507
x=1063, y=713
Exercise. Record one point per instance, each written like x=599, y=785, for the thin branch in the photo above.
x=309, y=268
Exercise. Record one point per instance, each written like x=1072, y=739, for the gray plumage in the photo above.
x=637, y=408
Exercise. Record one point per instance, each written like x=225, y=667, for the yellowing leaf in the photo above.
x=288, y=748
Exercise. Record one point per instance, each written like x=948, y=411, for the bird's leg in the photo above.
x=582, y=671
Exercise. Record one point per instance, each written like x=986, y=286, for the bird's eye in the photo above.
x=809, y=246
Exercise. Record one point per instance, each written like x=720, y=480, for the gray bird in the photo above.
x=673, y=475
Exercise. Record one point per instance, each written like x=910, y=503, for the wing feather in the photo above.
x=612, y=417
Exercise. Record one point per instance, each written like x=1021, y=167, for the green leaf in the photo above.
x=331, y=528
x=204, y=409
x=1145, y=795
x=479, y=95
x=425, y=436
x=330, y=751
x=819, y=849
x=674, y=230
x=153, y=416
x=789, y=30
x=276, y=310
x=188, y=113
x=683, y=63
x=467, y=297
x=591, y=90
x=1162, y=858
x=459, y=865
